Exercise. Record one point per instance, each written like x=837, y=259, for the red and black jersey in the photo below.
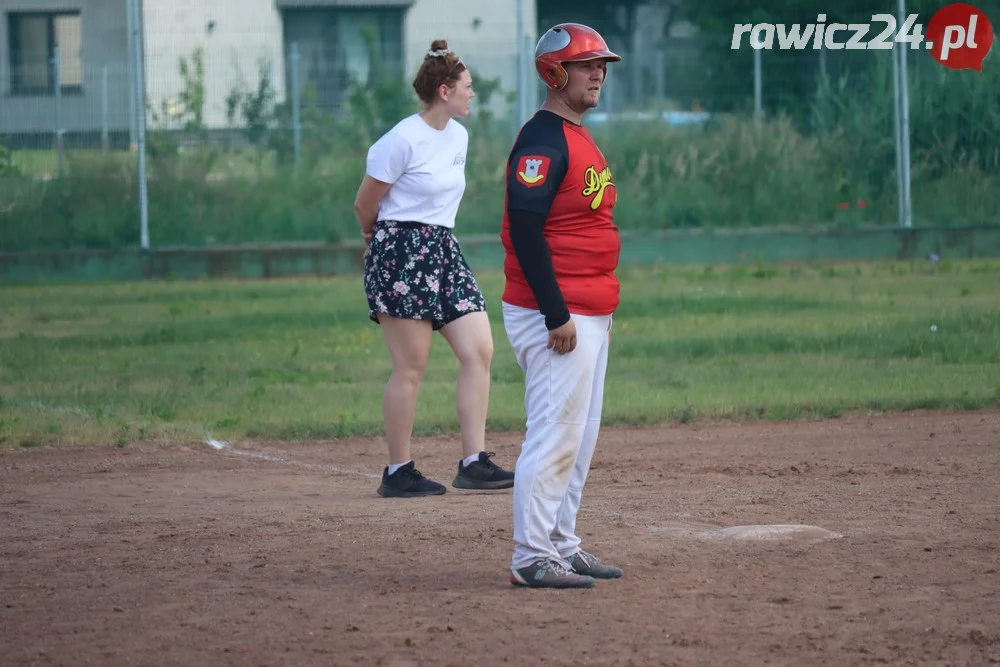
x=561, y=242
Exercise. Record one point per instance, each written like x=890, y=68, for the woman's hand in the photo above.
x=366, y=205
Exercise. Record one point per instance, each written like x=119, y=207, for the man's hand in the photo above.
x=563, y=339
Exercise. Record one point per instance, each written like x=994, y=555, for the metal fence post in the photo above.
x=522, y=80
x=635, y=71
x=608, y=92
x=897, y=129
x=528, y=76
x=139, y=103
x=296, y=106
x=57, y=80
x=132, y=121
x=660, y=83
x=758, y=86
x=904, y=118
x=104, y=108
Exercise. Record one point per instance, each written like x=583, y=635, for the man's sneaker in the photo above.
x=549, y=574
x=407, y=482
x=483, y=474
x=590, y=565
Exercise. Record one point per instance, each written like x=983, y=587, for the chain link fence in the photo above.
x=263, y=138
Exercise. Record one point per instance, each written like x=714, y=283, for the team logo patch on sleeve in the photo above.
x=532, y=170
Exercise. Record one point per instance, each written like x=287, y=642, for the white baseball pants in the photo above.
x=563, y=397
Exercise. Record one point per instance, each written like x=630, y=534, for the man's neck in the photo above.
x=560, y=108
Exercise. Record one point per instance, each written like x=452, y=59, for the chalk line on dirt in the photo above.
x=757, y=533
x=217, y=445
x=221, y=446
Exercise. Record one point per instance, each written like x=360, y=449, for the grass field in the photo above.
x=296, y=359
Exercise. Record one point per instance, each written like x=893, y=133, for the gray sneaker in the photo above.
x=549, y=574
x=590, y=565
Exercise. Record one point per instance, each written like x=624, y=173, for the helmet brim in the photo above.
x=594, y=55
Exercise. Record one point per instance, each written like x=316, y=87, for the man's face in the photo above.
x=583, y=90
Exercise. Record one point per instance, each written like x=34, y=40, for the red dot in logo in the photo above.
x=961, y=36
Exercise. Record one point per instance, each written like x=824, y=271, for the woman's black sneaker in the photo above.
x=408, y=482
x=483, y=474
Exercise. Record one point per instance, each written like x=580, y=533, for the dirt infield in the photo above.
x=282, y=554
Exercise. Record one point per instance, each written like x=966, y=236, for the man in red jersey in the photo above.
x=562, y=249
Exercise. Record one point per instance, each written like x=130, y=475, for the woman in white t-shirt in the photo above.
x=416, y=278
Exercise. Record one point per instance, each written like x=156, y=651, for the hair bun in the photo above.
x=439, y=45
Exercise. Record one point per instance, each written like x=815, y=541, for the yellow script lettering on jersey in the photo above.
x=595, y=184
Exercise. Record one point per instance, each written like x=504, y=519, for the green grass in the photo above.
x=297, y=359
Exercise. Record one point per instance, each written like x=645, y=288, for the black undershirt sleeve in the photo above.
x=535, y=172
x=527, y=235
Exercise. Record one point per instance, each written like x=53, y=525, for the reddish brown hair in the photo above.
x=437, y=69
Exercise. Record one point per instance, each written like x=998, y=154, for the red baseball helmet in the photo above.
x=566, y=43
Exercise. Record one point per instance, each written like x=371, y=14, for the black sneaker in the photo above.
x=483, y=474
x=408, y=482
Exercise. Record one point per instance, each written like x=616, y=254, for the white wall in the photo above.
x=482, y=32
x=244, y=32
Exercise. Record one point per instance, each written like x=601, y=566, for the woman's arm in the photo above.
x=366, y=204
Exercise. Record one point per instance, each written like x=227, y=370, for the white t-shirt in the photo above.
x=426, y=167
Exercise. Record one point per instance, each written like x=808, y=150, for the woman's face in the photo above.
x=458, y=98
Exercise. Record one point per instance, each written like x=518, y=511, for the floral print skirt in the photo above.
x=417, y=271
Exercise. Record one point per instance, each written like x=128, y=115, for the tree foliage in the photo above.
x=713, y=75
x=720, y=16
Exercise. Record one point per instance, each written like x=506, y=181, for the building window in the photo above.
x=33, y=37
x=333, y=51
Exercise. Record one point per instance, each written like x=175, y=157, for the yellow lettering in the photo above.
x=595, y=183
